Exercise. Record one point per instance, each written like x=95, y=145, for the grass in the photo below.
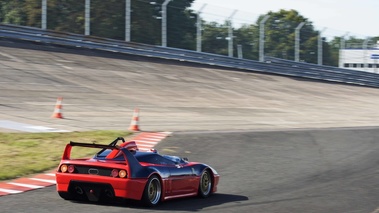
x=23, y=154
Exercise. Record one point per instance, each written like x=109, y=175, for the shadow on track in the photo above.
x=196, y=204
x=181, y=204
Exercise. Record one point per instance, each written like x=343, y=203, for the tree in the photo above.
x=66, y=15
x=214, y=38
x=181, y=27
x=108, y=19
x=248, y=37
x=12, y=12
x=280, y=36
x=331, y=49
x=145, y=27
x=33, y=12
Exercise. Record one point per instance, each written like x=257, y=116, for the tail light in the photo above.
x=123, y=173
x=119, y=173
x=64, y=168
x=67, y=168
x=71, y=168
x=114, y=173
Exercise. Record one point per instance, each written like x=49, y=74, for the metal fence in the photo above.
x=269, y=65
x=227, y=42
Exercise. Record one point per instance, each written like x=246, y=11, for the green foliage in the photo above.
x=108, y=20
x=280, y=36
x=13, y=12
x=66, y=15
x=145, y=23
x=33, y=12
x=248, y=37
x=214, y=38
x=184, y=19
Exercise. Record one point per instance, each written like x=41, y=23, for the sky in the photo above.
x=359, y=18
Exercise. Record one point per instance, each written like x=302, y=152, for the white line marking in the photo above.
x=50, y=174
x=27, y=127
x=144, y=146
x=44, y=180
x=148, y=139
x=45, y=129
x=160, y=133
x=26, y=185
x=147, y=142
x=10, y=191
x=167, y=133
x=155, y=137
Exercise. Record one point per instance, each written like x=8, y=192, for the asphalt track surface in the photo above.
x=101, y=90
x=280, y=144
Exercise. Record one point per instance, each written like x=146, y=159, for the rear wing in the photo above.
x=113, y=145
x=136, y=170
x=93, y=145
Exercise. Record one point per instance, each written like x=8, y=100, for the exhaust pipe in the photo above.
x=109, y=193
x=79, y=190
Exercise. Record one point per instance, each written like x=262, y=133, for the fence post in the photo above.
x=87, y=17
x=127, y=20
x=164, y=23
x=297, y=41
x=44, y=15
x=262, y=38
x=198, y=29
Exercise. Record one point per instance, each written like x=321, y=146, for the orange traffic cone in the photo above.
x=134, y=122
x=58, y=108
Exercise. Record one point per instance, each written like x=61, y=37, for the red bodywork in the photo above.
x=123, y=187
x=93, y=174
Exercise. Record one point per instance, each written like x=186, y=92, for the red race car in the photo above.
x=122, y=171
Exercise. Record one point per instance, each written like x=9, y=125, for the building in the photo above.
x=360, y=59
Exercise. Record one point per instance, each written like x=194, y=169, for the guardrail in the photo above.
x=272, y=65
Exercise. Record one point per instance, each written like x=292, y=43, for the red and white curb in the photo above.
x=147, y=140
x=26, y=184
x=144, y=140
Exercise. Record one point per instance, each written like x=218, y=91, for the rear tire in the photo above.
x=205, y=184
x=153, y=191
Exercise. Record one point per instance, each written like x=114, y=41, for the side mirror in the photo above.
x=185, y=159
